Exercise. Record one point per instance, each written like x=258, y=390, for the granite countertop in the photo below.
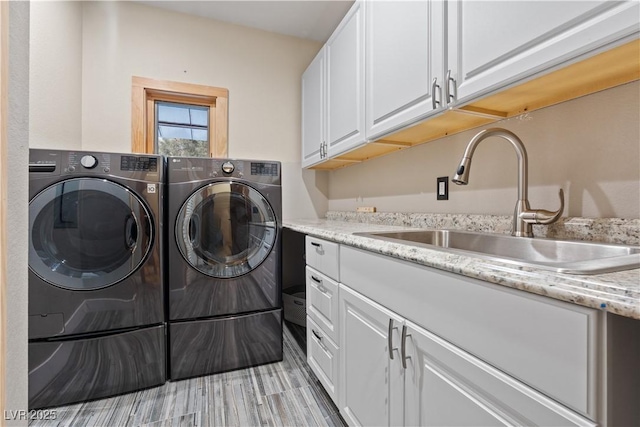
x=617, y=292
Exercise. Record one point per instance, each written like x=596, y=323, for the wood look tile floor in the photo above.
x=286, y=393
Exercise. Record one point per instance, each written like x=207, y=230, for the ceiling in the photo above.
x=308, y=19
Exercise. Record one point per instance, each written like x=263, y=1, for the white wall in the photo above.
x=104, y=44
x=261, y=70
x=589, y=146
x=55, y=75
x=18, y=153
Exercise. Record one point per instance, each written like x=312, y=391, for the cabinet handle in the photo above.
x=390, y=339
x=325, y=149
x=321, y=155
x=317, y=245
x=434, y=100
x=404, y=346
x=450, y=94
x=315, y=279
x=318, y=336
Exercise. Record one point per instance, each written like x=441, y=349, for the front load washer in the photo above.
x=96, y=299
x=223, y=257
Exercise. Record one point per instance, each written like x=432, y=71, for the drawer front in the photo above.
x=323, y=256
x=322, y=302
x=547, y=344
x=323, y=356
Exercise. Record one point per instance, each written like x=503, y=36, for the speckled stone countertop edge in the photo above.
x=617, y=292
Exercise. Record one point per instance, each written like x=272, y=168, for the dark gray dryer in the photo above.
x=223, y=257
x=95, y=277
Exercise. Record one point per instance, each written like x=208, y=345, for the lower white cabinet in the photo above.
x=393, y=373
x=323, y=353
x=549, y=345
x=371, y=382
x=399, y=344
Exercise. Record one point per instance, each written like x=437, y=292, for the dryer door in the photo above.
x=87, y=233
x=226, y=229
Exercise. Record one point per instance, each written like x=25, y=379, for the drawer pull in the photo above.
x=315, y=279
x=318, y=336
x=390, y=339
x=317, y=245
x=404, y=346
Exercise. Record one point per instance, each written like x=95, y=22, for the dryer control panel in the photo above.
x=187, y=169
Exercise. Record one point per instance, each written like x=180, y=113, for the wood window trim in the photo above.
x=144, y=93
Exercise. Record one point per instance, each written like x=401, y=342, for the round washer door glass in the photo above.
x=225, y=229
x=87, y=233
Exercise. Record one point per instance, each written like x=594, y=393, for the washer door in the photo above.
x=87, y=233
x=225, y=229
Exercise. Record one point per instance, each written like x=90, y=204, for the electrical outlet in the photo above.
x=443, y=188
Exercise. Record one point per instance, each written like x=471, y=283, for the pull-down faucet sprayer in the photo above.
x=523, y=215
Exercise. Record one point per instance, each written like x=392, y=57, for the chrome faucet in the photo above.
x=523, y=215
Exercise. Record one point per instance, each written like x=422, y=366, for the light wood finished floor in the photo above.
x=278, y=394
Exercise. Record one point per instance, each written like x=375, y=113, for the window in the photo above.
x=181, y=129
x=181, y=119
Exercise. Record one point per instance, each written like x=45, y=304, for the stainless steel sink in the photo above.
x=563, y=256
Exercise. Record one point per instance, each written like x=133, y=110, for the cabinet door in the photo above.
x=313, y=110
x=496, y=43
x=345, y=83
x=405, y=50
x=445, y=386
x=371, y=383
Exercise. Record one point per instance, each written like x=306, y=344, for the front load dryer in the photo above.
x=96, y=314
x=223, y=258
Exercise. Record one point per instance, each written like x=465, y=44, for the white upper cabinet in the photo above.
x=345, y=83
x=404, y=62
x=313, y=110
x=493, y=44
x=391, y=68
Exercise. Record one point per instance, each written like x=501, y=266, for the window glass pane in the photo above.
x=199, y=116
x=168, y=132
x=182, y=130
x=200, y=134
x=183, y=147
x=173, y=114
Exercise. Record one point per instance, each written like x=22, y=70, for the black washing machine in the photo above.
x=96, y=300
x=223, y=258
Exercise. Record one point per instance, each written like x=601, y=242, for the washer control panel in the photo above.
x=139, y=163
x=264, y=168
x=84, y=162
x=142, y=167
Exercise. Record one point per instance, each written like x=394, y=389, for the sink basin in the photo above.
x=562, y=256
